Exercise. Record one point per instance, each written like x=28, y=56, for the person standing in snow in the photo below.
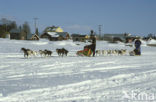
x=137, y=49
x=93, y=45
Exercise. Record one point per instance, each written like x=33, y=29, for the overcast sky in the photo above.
x=137, y=17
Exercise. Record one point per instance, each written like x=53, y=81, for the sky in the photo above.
x=137, y=17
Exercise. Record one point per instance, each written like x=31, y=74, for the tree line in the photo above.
x=6, y=26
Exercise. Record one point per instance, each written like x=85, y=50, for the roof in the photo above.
x=57, y=34
x=53, y=34
x=63, y=34
x=78, y=35
x=29, y=36
x=53, y=29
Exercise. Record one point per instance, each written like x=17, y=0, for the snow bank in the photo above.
x=152, y=41
x=64, y=43
x=143, y=43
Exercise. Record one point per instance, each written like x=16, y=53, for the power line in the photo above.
x=35, y=20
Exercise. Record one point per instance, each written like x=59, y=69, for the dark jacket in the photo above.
x=137, y=44
x=94, y=40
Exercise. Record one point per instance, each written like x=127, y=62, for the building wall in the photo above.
x=114, y=37
x=82, y=39
x=7, y=36
x=34, y=38
x=45, y=36
x=15, y=36
x=22, y=38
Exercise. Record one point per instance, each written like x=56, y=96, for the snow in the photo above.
x=72, y=78
x=152, y=41
x=53, y=34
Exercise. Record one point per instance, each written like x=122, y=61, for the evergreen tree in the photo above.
x=2, y=31
x=5, y=26
x=26, y=30
x=13, y=25
x=36, y=32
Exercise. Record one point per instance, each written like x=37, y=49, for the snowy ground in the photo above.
x=75, y=79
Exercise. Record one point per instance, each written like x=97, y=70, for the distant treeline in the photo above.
x=6, y=26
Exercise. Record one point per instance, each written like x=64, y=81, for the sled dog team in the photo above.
x=43, y=53
x=111, y=52
x=63, y=52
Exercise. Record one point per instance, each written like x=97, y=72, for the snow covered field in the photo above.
x=75, y=79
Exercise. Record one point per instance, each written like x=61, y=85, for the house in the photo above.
x=117, y=37
x=15, y=34
x=79, y=37
x=7, y=35
x=50, y=36
x=55, y=36
x=32, y=37
x=64, y=35
x=53, y=29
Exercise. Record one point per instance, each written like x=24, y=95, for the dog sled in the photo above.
x=135, y=52
x=86, y=52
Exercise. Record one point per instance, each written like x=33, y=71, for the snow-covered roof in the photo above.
x=53, y=34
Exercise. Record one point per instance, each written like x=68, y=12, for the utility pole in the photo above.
x=100, y=32
x=35, y=20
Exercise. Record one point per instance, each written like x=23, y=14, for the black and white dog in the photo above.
x=28, y=52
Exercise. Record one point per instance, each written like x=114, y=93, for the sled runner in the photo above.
x=135, y=52
x=131, y=53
